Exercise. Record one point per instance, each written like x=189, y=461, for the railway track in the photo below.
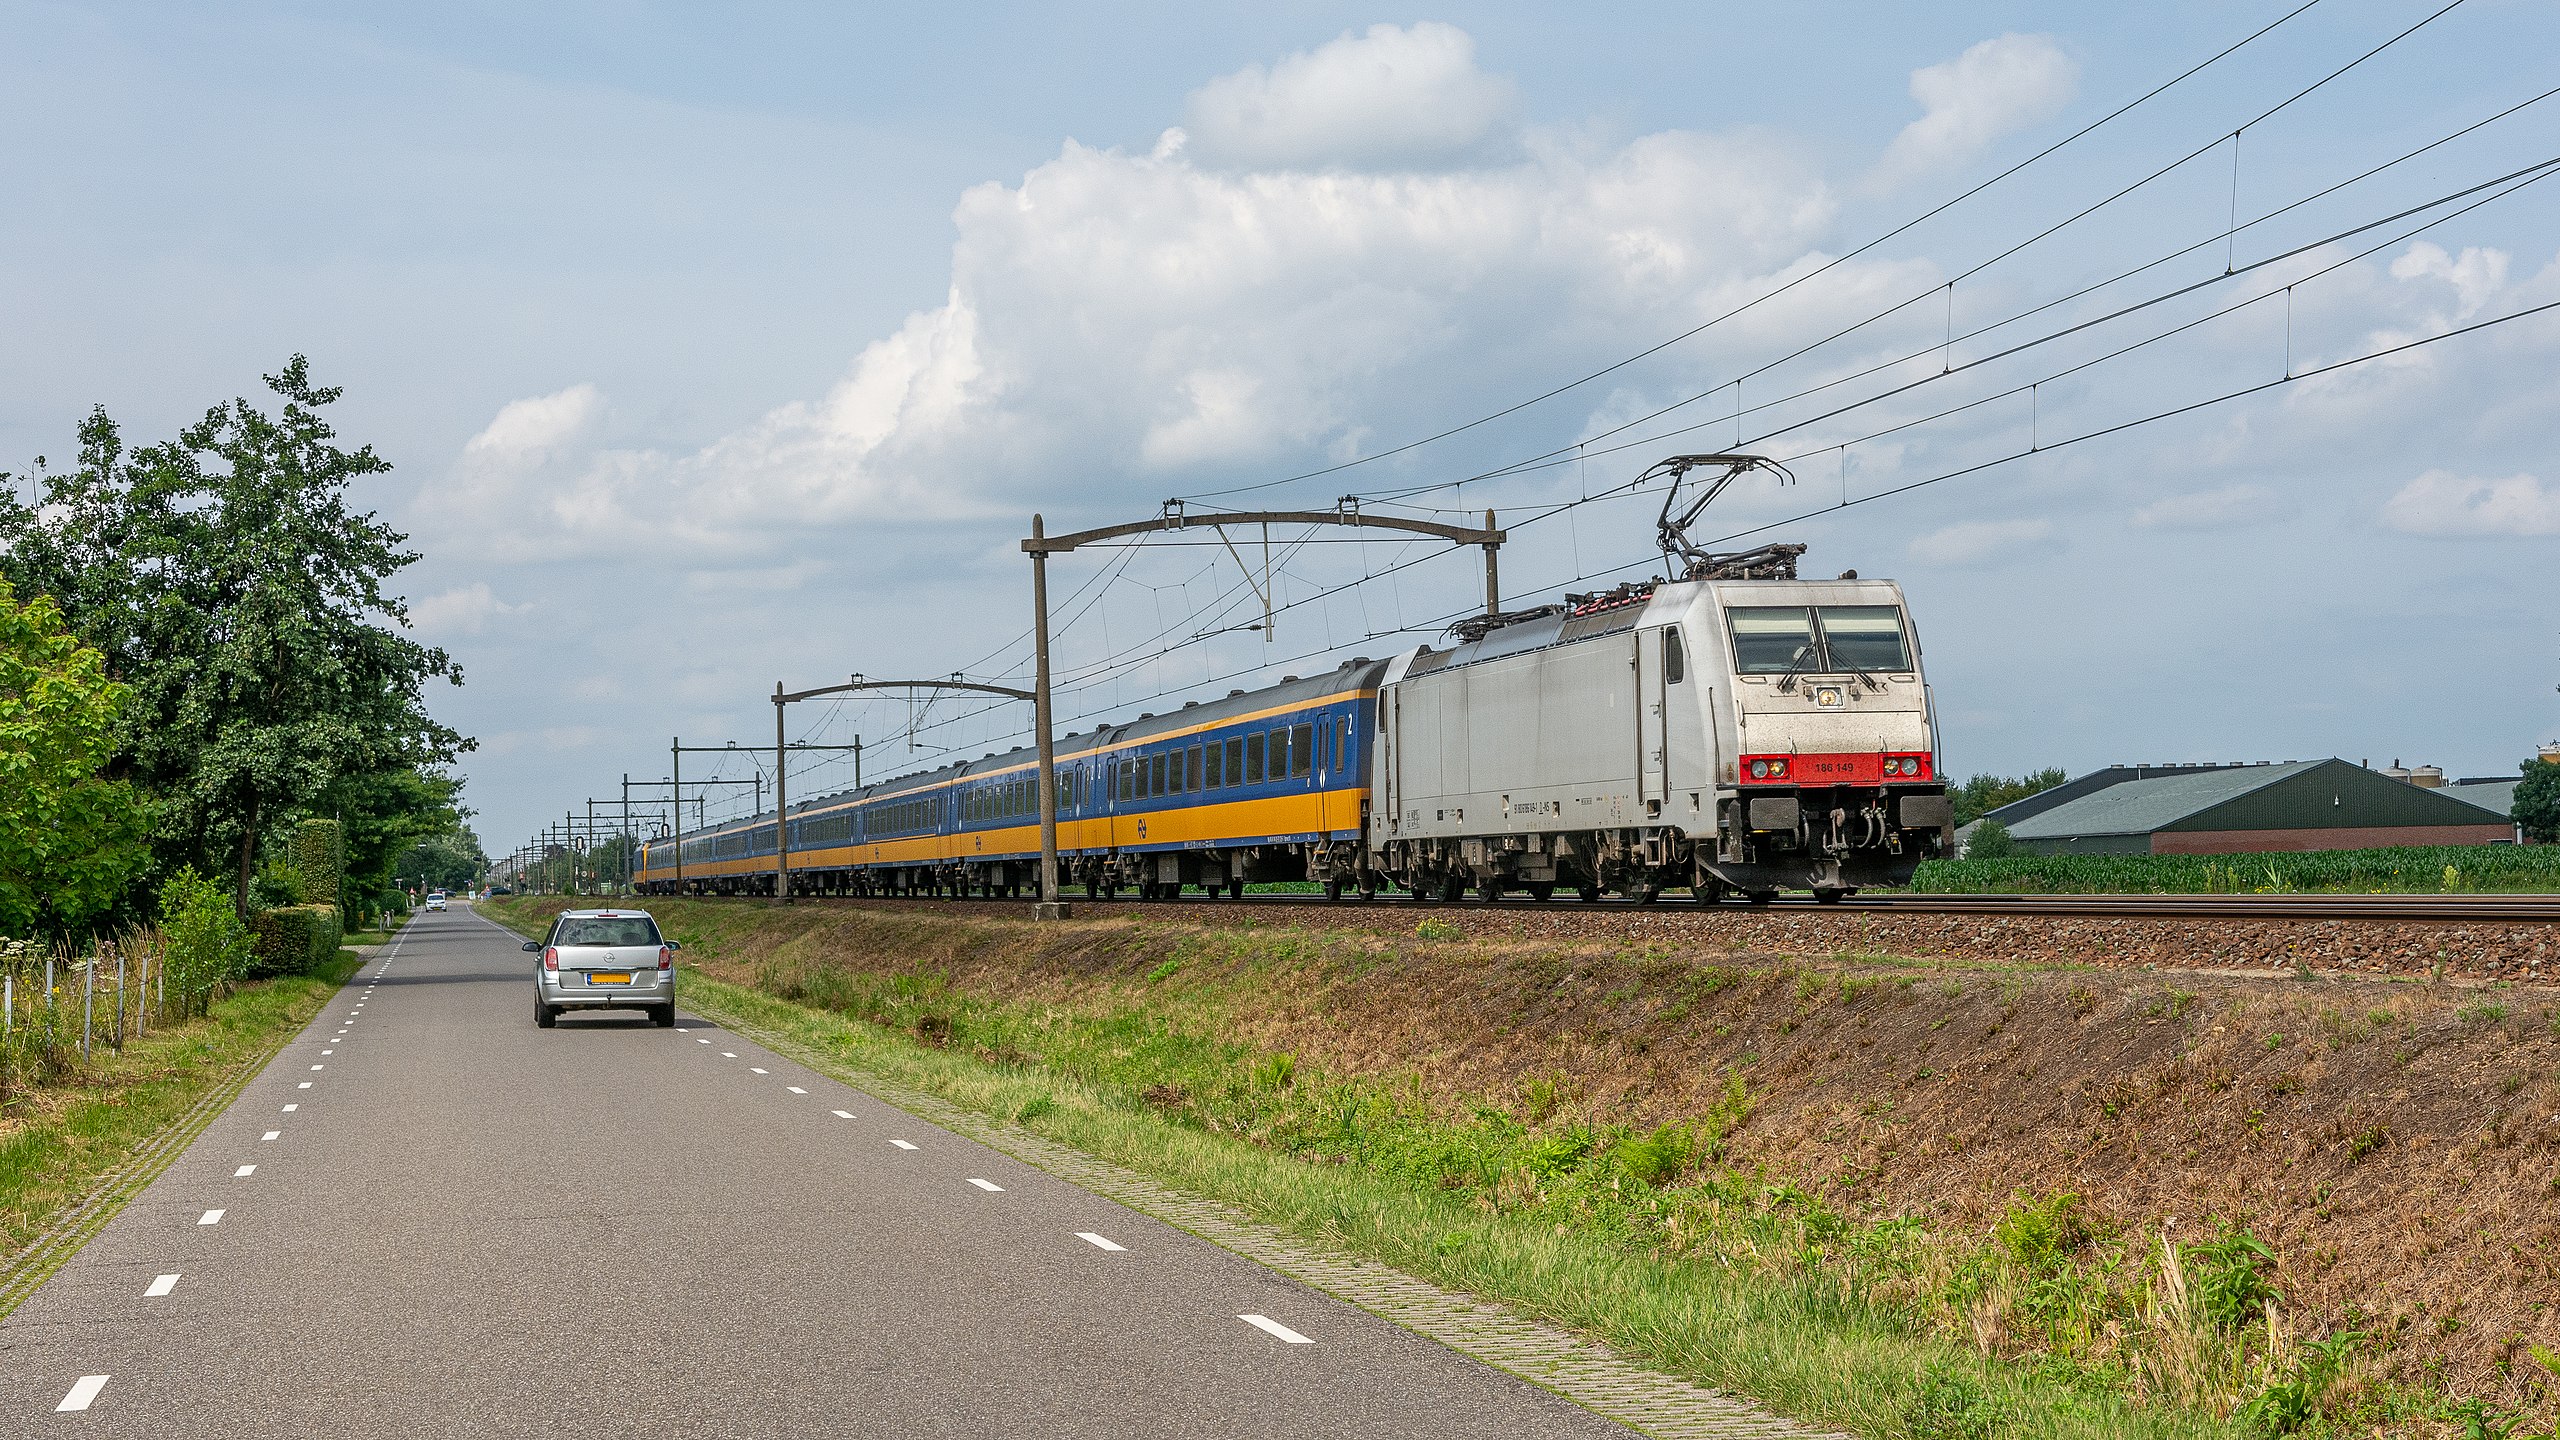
x=2434, y=909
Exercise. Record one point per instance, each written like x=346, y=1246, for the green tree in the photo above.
x=450, y=861
x=2537, y=803
x=70, y=838
x=1983, y=794
x=1989, y=840
x=233, y=587
x=388, y=813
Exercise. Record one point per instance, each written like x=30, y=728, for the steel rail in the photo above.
x=2422, y=908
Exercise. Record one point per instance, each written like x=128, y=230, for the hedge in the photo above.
x=294, y=939
x=320, y=853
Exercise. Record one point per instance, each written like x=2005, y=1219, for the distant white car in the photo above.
x=435, y=902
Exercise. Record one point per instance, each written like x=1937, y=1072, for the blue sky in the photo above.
x=720, y=348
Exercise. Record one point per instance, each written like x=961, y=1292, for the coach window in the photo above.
x=1235, y=760
x=1195, y=768
x=1675, y=661
x=1341, y=742
x=1253, y=758
x=1217, y=766
x=1302, y=751
x=1123, y=767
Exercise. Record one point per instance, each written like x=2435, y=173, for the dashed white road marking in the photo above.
x=162, y=1285
x=989, y=1186
x=759, y=1072
x=289, y=1109
x=272, y=1134
x=1097, y=1242
x=903, y=1145
x=305, y=1085
x=728, y=1054
x=844, y=1114
x=701, y=1042
x=244, y=1172
x=82, y=1393
x=1273, y=1327
x=325, y=1052
x=210, y=1217
x=319, y=1067
x=794, y=1089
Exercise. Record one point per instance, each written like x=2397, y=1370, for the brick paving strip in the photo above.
x=1578, y=1369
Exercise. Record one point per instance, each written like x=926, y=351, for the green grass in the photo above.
x=2410, y=869
x=60, y=1139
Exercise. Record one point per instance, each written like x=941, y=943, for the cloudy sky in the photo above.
x=721, y=346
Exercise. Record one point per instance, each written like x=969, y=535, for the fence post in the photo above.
x=119, y=999
x=88, y=1001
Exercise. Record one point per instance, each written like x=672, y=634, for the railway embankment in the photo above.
x=2280, y=1170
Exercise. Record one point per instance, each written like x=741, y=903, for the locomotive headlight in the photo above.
x=1778, y=767
x=1759, y=769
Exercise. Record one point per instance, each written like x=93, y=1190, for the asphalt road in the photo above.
x=427, y=1217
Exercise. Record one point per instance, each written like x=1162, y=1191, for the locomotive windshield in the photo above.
x=1827, y=639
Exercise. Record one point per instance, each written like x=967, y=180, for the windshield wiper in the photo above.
x=1796, y=666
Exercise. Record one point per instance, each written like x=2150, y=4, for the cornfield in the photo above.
x=2433, y=869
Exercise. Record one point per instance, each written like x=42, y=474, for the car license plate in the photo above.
x=602, y=978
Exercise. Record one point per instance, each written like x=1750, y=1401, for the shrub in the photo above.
x=1989, y=841
x=295, y=939
x=207, y=946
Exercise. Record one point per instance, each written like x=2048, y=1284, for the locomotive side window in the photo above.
x=1302, y=751
x=1253, y=758
x=1865, y=637
x=1675, y=660
x=1770, y=639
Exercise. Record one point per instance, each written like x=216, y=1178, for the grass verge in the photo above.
x=1801, y=1342
x=59, y=1144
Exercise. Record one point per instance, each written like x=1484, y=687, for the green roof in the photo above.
x=2138, y=807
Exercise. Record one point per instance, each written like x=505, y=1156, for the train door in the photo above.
x=1652, y=710
x=1688, y=759
x=1390, y=757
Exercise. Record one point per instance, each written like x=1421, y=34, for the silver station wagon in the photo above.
x=604, y=960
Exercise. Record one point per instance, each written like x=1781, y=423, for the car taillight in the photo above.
x=666, y=957
x=550, y=957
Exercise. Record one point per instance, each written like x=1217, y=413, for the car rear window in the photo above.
x=621, y=930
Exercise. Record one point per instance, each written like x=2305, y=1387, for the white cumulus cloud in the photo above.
x=2475, y=275
x=2231, y=505
x=2440, y=502
x=1118, y=322
x=1979, y=542
x=466, y=610
x=2001, y=85
x=1393, y=98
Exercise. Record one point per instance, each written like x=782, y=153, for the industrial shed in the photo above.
x=2299, y=805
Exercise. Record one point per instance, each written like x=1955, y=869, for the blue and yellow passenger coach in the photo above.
x=1268, y=784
